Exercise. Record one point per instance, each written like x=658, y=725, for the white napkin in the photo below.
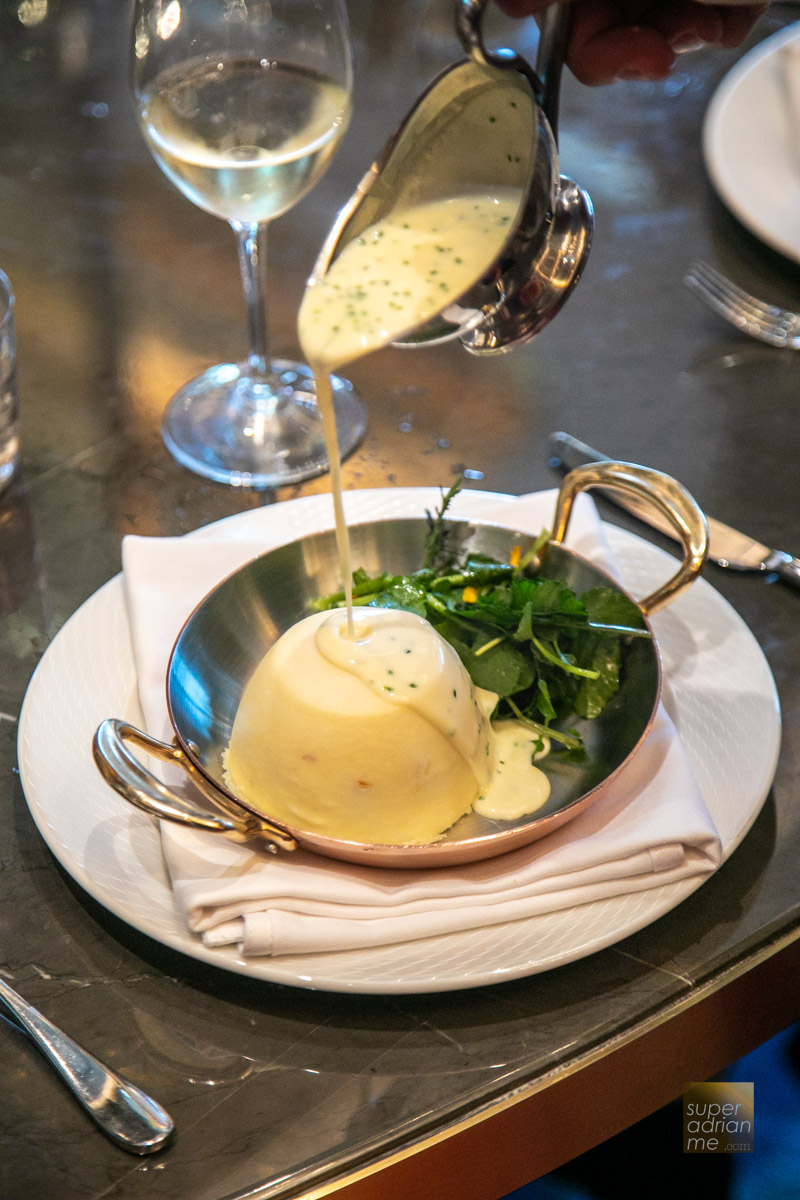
x=650, y=827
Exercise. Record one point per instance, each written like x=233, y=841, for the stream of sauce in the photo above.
x=397, y=275
x=394, y=654
x=398, y=656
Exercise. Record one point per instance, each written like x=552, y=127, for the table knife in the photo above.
x=727, y=547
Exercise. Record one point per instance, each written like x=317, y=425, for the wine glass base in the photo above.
x=258, y=433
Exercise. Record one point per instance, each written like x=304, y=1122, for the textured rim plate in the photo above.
x=752, y=147
x=720, y=693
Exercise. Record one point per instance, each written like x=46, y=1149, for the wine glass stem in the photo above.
x=252, y=240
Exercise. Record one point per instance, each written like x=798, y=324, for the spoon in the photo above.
x=132, y=1120
x=451, y=144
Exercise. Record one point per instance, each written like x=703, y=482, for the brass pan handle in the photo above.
x=130, y=778
x=666, y=494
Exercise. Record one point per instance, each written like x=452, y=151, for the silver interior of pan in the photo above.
x=232, y=629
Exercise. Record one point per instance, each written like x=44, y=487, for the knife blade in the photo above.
x=727, y=547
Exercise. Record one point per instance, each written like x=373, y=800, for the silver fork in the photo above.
x=766, y=322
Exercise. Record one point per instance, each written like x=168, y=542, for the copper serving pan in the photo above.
x=228, y=634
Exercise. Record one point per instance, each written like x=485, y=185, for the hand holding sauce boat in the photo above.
x=623, y=40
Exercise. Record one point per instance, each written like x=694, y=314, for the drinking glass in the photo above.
x=242, y=104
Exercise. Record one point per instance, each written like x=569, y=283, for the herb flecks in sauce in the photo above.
x=402, y=252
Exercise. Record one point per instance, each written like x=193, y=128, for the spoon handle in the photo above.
x=132, y=1120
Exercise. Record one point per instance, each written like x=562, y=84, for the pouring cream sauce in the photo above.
x=382, y=738
x=399, y=657
x=398, y=274
x=401, y=272
x=394, y=654
x=378, y=739
x=395, y=276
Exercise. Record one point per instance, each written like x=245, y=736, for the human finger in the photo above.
x=603, y=45
x=685, y=24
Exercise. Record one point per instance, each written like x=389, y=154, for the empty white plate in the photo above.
x=751, y=141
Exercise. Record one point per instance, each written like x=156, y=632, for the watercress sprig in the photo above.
x=547, y=653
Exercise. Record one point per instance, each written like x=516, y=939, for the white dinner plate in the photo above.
x=720, y=693
x=751, y=144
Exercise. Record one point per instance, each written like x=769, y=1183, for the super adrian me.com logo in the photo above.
x=718, y=1118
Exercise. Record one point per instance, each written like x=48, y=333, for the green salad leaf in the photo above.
x=549, y=654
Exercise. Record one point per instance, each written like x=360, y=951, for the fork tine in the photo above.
x=730, y=290
x=758, y=327
x=715, y=301
x=737, y=310
x=769, y=323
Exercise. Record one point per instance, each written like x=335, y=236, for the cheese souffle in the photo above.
x=380, y=737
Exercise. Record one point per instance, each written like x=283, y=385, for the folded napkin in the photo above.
x=649, y=828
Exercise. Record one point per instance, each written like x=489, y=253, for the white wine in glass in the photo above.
x=243, y=103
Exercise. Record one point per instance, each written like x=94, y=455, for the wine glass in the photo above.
x=242, y=104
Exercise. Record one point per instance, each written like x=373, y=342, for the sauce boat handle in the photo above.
x=546, y=79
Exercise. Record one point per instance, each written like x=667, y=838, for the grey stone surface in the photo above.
x=124, y=290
